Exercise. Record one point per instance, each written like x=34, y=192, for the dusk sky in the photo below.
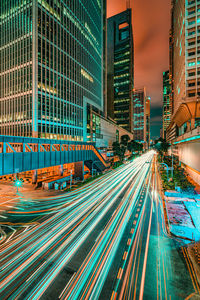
x=151, y=24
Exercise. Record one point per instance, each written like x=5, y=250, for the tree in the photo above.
x=134, y=146
x=162, y=145
x=119, y=150
x=124, y=139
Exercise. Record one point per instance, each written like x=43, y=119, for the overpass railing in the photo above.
x=19, y=154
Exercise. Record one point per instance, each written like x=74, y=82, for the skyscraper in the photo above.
x=186, y=67
x=148, y=111
x=180, y=40
x=171, y=62
x=51, y=66
x=120, y=60
x=141, y=116
x=166, y=102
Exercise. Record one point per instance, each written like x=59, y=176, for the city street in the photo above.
x=99, y=150
x=106, y=240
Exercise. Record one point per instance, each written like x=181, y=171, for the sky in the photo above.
x=151, y=24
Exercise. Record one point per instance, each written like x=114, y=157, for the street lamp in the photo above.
x=18, y=184
x=172, y=169
x=167, y=170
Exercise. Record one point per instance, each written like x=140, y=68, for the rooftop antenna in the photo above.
x=128, y=5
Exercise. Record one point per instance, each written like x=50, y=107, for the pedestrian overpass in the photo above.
x=21, y=154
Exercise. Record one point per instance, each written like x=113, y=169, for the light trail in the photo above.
x=110, y=225
x=26, y=261
x=88, y=281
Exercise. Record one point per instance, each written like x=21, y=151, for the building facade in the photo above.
x=141, y=116
x=186, y=51
x=105, y=131
x=51, y=66
x=171, y=63
x=167, y=110
x=148, y=111
x=120, y=68
x=184, y=64
x=184, y=130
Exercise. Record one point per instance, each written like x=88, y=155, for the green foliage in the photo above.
x=119, y=149
x=134, y=146
x=124, y=139
x=179, y=176
x=161, y=145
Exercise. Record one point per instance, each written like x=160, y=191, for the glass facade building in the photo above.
x=167, y=110
x=51, y=66
x=141, y=116
x=120, y=60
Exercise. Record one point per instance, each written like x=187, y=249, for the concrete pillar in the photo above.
x=61, y=170
x=188, y=126
x=192, y=123
x=34, y=176
x=79, y=170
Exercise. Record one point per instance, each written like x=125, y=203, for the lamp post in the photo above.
x=172, y=170
x=18, y=184
x=167, y=170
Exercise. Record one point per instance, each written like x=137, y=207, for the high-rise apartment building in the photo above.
x=183, y=131
x=171, y=62
x=120, y=60
x=186, y=51
x=51, y=66
x=166, y=102
x=148, y=111
x=180, y=41
x=184, y=67
x=141, y=116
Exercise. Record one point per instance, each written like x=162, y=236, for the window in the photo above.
x=191, y=84
x=191, y=33
x=191, y=53
x=191, y=2
x=124, y=34
x=191, y=64
x=191, y=43
x=191, y=12
x=191, y=74
x=191, y=22
x=191, y=94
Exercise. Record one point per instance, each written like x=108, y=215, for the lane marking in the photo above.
x=125, y=255
x=129, y=242
x=120, y=272
x=114, y=295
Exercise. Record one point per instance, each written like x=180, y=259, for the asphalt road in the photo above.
x=106, y=240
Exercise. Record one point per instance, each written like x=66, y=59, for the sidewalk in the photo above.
x=183, y=211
